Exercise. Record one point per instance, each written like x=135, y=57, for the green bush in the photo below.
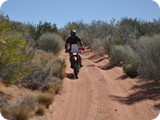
x=123, y=54
x=117, y=55
x=130, y=70
x=149, y=55
x=15, y=54
x=50, y=42
x=14, y=61
x=45, y=28
x=108, y=44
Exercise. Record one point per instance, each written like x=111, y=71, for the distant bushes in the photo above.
x=123, y=42
x=50, y=42
x=44, y=27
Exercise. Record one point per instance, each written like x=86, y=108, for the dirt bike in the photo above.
x=74, y=59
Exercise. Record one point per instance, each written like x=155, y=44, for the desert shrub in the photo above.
x=131, y=70
x=108, y=44
x=124, y=55
x=64, y=34
x=128, y=29
x=150, y=28
x=3, y=101
x=50, y=42
x=97, y=45
x=45, y=99
x=149, y=56
x=57, y=88
x=45, y=27
x=59, y=68
x=15, y=55
x=47, y=69
x=41, y=110
x=118, y=55
x=51, y=64
x=26, y=31
x=21, y=110
x=97, y=31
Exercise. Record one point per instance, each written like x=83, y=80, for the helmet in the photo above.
x=73, y=32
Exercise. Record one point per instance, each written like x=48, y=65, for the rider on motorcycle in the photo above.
x=73, y=39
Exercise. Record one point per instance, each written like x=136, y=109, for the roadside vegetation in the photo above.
x=29, y=60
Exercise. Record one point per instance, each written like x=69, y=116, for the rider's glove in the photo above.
x=83, y=48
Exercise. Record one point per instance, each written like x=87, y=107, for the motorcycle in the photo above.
x=74, y=59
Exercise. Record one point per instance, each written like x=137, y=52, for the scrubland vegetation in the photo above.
x=28, y=59
x=28, y=56
x=131, y=43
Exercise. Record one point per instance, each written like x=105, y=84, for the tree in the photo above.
x=45, y=28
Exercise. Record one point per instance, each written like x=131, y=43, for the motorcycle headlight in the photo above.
x=74, y=53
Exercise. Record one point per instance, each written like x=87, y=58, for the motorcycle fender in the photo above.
x=75, y=58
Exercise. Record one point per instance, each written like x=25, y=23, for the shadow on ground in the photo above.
x=106, y=67
x=145, y=91
x=101, y=59
x=70, y=76
x=157, y=106
x=123, y=77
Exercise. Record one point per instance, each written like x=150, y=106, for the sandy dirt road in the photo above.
x=103, y=94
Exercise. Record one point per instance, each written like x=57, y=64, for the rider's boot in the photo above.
x=71, y=66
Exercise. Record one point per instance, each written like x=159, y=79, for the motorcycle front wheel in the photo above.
x=76, y=70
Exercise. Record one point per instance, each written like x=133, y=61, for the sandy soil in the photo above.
x=103, y=94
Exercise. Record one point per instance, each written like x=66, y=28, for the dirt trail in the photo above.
x=101, y=95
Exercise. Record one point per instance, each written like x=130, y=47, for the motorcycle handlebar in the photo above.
x=82, y=48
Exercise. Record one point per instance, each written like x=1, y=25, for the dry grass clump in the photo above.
x=30, y=106
x=45, y=99
x=52, y=87
x=47, y=68
x=58, y=68
x=46, y=63
x=6, y=112
x=21, y=110
x=41, y=109
x=57, y=88
x=50, y=42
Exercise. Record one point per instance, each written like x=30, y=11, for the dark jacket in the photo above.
x=73, y=40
